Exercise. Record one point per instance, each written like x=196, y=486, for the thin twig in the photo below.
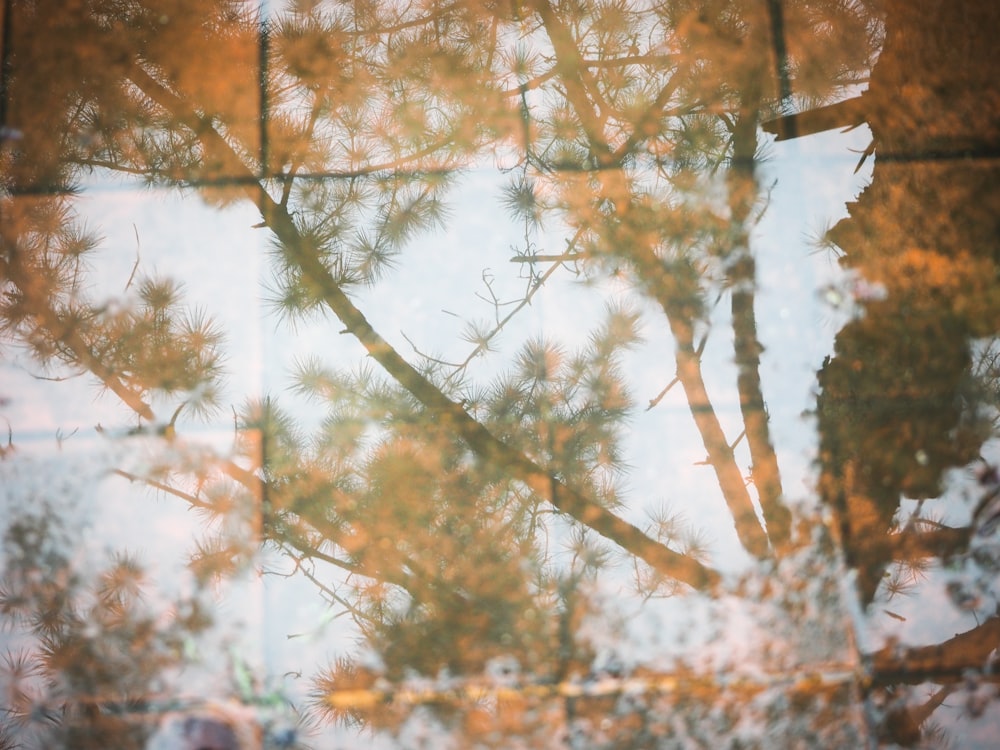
x=156, y=485
x=659, y=397
x=135, y=266
x=501, y=323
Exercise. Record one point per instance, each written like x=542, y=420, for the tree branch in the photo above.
x=942, y=663
x=445, y=414
x=37, y=306
x=746, y=345
x=676, y=295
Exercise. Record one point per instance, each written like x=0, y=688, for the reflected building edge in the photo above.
x=468, y=522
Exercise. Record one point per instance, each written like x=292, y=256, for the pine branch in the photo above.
x=673, y=294
x=445, y=414
x=37, y=305
x=449, y=416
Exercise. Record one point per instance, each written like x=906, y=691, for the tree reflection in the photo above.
x=920, y=234
x=430, y=494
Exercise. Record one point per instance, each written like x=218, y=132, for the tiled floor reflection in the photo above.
x=513, y=374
